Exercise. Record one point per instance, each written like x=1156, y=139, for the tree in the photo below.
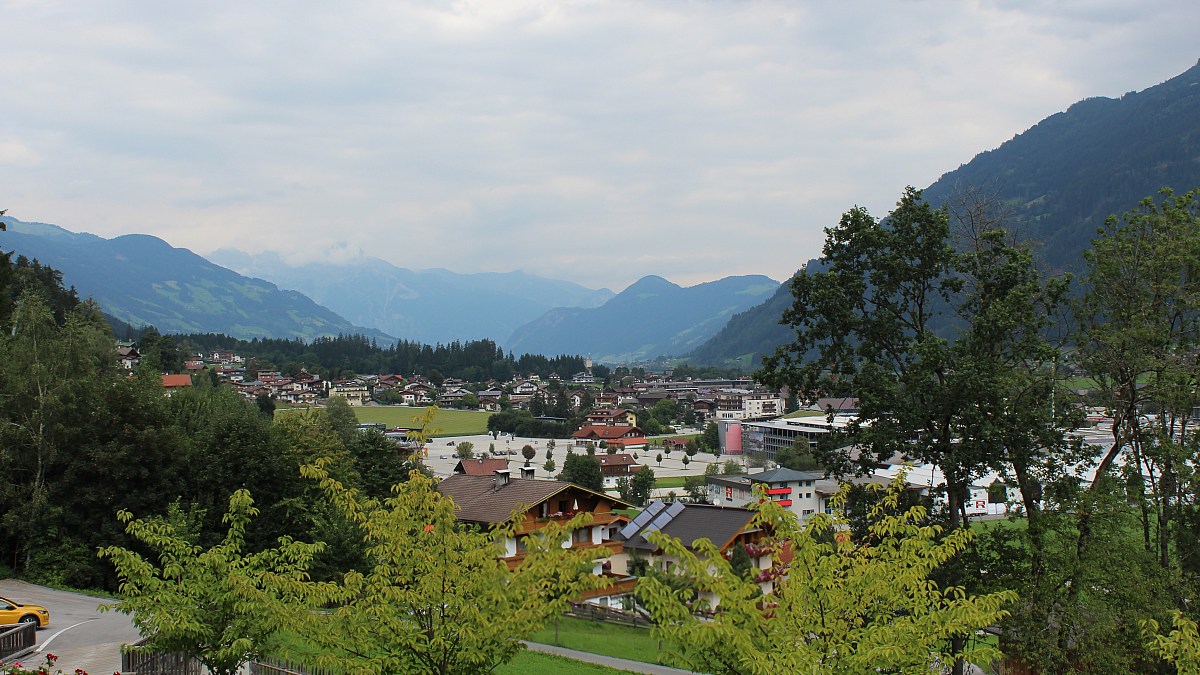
x=642, y=485
x=549, y=466
x=692, y=447
x=207, y=604
x=465, y=450
x=686, y=460
x=837, y=606
x=697, y=488
x=732, y=468
x=658, y=458
x=549, y=450
x=528, y=453
x=583, y=470
x=435, y=596
x=711, y=438
x=798, y=457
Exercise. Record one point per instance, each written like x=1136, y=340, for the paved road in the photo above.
x=78, y=633
x=610, y=661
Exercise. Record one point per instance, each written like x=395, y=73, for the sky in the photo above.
x=596, y=142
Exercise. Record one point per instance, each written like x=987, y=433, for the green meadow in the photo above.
x=445, y=423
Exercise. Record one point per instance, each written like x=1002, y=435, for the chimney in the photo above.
x=527, y=472
x=501, y=478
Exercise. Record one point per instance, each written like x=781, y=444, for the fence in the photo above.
x=590, y=612
x=142, y=661
x=137, y=660
x=269, y=666
x=17, y=639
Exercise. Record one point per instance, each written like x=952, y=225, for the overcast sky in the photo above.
x=591, y=141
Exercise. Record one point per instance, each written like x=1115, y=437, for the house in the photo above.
x=583, y=378
x=489, y=404
x=354, y=391
x=173, y=383
x=678, y=443
x=480, y=466
x=613, y=417
x=488, y=501
x=128, y=356
x=616, y=466
x=725, y=526
x=744, y=404
x=595, y=434
x=795, y=491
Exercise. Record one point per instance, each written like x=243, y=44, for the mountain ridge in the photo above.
x=1059, y=180
x=143, y=280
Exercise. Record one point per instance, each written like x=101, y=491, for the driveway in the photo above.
x=78, y=633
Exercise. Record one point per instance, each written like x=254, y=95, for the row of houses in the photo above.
x=615, y=539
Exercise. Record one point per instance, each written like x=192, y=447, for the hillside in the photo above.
x=430, y=306
x=142, y=280
x=653, y=317
x=1059, y=180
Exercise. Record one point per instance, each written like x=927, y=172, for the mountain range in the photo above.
x=430, y=306
x=1058, y=180
x=653, y=317
x=142, y=280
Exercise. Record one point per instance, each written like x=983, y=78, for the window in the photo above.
x=808, y=495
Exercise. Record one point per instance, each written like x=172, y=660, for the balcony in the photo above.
x=779, y=491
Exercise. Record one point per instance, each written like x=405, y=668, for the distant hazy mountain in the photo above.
x=142, y=280
x=1059, y=180
x=428, y=306
x=749, y=334
x=653, y=317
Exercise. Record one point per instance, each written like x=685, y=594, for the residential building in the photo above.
x=725, y=526
x=745, y=404
x=616, y=466
x=795, y=491
x=488, y=501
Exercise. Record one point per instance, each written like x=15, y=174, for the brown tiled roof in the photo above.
x=606, y=433
x=177, y=380
x=480, y=467
x=617, y=459
x=480, y=501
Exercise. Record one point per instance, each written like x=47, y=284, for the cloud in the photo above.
x=594, y=141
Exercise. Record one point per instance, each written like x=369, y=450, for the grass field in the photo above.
x=669, y=482
x=596, y=637
x=447, y=422
x=534, y=663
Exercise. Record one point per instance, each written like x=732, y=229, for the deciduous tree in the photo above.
x=838, y=606
x=208, y=604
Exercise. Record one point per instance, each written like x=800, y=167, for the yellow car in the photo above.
x=14, y=612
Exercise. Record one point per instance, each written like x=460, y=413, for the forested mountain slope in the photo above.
x=143, y=280
x=1058, y=180
x=652, y=317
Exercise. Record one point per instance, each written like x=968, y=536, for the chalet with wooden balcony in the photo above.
x=488, y=501
x=726, y=527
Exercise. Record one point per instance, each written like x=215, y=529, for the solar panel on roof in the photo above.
x=642, y=518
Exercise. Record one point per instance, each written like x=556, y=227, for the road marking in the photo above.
x=51, y=638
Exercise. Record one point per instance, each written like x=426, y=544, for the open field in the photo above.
x=534, y=663
x=446, y=423
x=625, y=642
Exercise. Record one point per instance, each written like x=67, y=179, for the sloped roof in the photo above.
x=782, y=475
x=606, y=433
x=617, y=459
x=479, y=500
x=718, y=524
x=481, y=466
x=170, y=381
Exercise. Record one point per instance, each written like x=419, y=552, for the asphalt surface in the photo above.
x=79, y=634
